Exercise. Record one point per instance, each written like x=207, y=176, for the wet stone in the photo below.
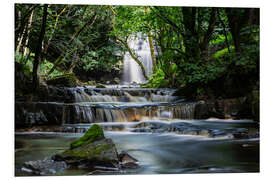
x=44, y=167
x=127, y=161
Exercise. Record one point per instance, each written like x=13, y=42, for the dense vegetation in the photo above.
x=202, y=50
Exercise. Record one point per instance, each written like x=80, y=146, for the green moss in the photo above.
x=94, y=133
x=99, y=85
x=89, y=152
x=68, y=80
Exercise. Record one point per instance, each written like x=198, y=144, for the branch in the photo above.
x=166, y=19
x=59, y=60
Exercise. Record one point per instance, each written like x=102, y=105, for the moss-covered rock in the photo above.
x=91, y=83
x=99, y=85
x=116, y=80
x=91, y=149
x=66, y=80
x=102, y=152
x=94, y=133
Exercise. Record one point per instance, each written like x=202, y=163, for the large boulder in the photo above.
x=90, y=150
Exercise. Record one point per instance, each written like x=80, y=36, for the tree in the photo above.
x=39, y=47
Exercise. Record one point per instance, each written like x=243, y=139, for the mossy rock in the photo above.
x=98, y=152
x=91, y=83
x=116, y=80
x=91, y=149
x=66, y=80
x=99, y=85
x=94, y=133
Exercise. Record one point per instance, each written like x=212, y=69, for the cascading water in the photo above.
x=130, y=104
x=131, y=70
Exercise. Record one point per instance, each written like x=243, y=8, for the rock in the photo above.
x=116, y=80
x=91, y=83
x=241, y=134
x=101, y=152
x=44, y=167
x=220, y=108
x=127, y=161
x=90, y=150
x=99, y=85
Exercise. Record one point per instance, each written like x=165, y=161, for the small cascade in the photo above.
x=132, y=71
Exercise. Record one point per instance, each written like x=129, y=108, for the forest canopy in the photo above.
x=193, y=47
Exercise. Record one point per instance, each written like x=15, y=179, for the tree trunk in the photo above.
x=190, y=37
x=39, y=47
x=209, y=31
x=133, y=56
x=27, y=35
x=233, y=15
x=20, y=41
x=151, y=45
x=152, y=50
x=23, y=20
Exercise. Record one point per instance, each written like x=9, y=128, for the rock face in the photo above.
x=235, y=108
x=90, y=150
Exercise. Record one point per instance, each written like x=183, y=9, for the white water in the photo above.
x=132, y=71
x=132, y=106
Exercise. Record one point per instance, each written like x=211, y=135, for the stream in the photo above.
x=158, y=153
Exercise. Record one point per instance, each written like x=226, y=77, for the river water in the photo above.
x=164, y=152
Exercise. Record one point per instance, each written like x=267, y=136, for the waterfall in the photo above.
x=125, y=105
x=131, y=70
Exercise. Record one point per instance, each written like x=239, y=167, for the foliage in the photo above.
x=26, y=62
x=192, y=44
x=103, y=59
x=222, y=52
x=77, y=37
x=157, y=80
x=45, y=67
